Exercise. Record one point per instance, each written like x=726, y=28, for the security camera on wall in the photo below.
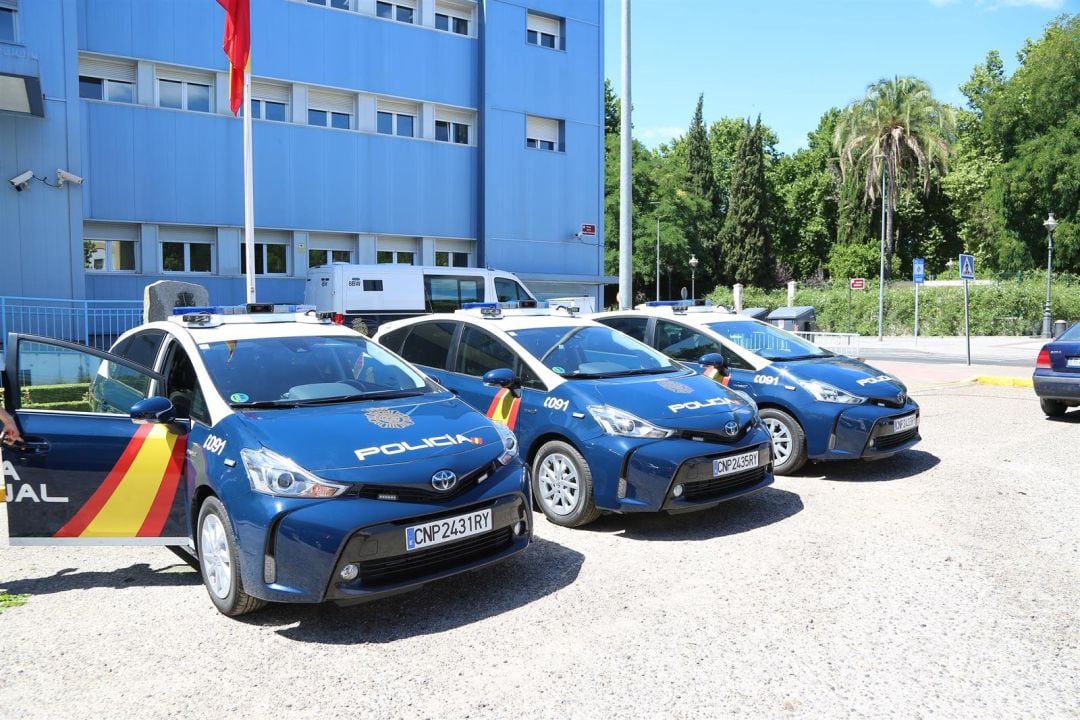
x=63, y=176
x=22, y=182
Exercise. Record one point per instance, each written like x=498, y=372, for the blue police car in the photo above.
x=608, y=424
x=1057, y=373
x=298, y=460
x=816, y=405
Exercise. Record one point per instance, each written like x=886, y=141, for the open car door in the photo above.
x=85, y=473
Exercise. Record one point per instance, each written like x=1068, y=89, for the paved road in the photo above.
x=941, y=583
x=985, y=350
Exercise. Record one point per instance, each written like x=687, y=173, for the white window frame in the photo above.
x=110, y=233
x=185, y=78
x=452, y=118
x=349, y=5
x=13, y=7
x=264, y=92
x=187, y=258
x=394, y=6
x=398, y=245
x=544, y=25
x=331, y=243
x=542, y=131
x=452, y=11
x=396, y=110
x=331, y=103
x=263, y=240
x=109, y=72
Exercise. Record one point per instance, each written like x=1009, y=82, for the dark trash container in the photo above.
x=800, y=318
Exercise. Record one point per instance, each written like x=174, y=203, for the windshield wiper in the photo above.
x=256, y=404
x=800, y=357
x=619, y=373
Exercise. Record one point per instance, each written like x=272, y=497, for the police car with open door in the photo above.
x=606, y=422
x=301, y=461
x=816, y=404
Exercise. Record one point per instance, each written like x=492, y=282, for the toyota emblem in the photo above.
x=731, y=429
x=444, y=480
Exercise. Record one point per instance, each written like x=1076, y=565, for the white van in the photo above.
x=380, y=293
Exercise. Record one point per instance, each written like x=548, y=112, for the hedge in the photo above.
x=1007, y=307
x=40, y=394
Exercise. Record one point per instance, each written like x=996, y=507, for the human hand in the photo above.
x=11, y=432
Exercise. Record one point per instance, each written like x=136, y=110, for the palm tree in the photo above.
x=897, y=128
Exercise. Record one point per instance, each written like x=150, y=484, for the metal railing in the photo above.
x=839, y=343
x=96, y=323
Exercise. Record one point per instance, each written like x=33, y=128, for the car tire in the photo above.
x=788, y=440
x=219, y=561
x=1053, y=408
x=563, y=486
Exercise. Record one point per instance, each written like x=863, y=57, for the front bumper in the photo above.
x=1056, y=387
x=650, y=471
x=866, y=432
x=293, y=551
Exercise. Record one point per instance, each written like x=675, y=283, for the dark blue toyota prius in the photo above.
x=1057, y=373
x=298, y=460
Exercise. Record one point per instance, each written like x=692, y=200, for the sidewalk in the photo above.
x=1015, y=351
x=921, y=375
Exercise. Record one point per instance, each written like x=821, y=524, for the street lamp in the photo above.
x=656, y=204
x=693, y=273
x=881, y=275
x=1048, y=318
x=669, y=269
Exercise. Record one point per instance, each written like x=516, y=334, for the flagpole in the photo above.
x=249, y=199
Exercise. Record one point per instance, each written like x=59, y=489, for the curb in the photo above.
x=1003, y=381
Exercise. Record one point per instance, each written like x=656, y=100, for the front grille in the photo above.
x=711, y=437
x=420, y=494
x=718, y=487
x=885, y=442
x=890, y=402
x=424, y=563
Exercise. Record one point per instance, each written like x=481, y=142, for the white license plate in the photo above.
x=734, y=464
x=446, y=530
x=905, y=423
x=1072, y=362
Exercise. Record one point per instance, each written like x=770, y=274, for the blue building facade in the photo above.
x=434, y=132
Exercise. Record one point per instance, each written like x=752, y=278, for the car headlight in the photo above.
x=273, y=474
x=614, y=421
x=828, y=393
x=510, y=443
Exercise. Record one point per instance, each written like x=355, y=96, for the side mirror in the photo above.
x=503, y=377
x=153, y=411
x=715, y=360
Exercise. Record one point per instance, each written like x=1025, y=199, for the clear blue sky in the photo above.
x=791, y=60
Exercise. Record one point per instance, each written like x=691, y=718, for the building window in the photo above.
x=447, y=131
x=329, y=109
x=445, y=258
x=392, y=123
x=451, y=23
x=395, y=257
x=543, y=133
x=7, y=24
x=395, y=11
x=109, y=255
x=181, y=93
x=106, y=79
x=325, y=257
x=270, y=259
x=267, y=110
x=336, y=4
x=92, y=88
x=544, y=31
x=190, y=257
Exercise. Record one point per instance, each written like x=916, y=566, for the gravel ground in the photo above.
x=943, y=582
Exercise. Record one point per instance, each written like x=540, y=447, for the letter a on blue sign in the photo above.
x=967, y=267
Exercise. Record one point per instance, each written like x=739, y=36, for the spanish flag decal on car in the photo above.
x=504, y=408
x=137, y=495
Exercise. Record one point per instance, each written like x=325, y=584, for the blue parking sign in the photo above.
x=917, y=270
x=967, y=267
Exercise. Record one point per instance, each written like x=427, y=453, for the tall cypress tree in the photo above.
x=702, y=187
x=744, y=239
x=699, y=157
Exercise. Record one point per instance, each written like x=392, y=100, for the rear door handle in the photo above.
x=35, y=446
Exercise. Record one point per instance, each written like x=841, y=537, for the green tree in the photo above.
x=744, y=239
x=900, y=129
x=612, y=110
x=699, y=156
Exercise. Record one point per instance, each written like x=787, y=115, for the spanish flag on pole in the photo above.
x=237, y=46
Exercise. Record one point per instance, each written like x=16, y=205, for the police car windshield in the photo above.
x=768, y=341
x=307, y=370
x=590, y=351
